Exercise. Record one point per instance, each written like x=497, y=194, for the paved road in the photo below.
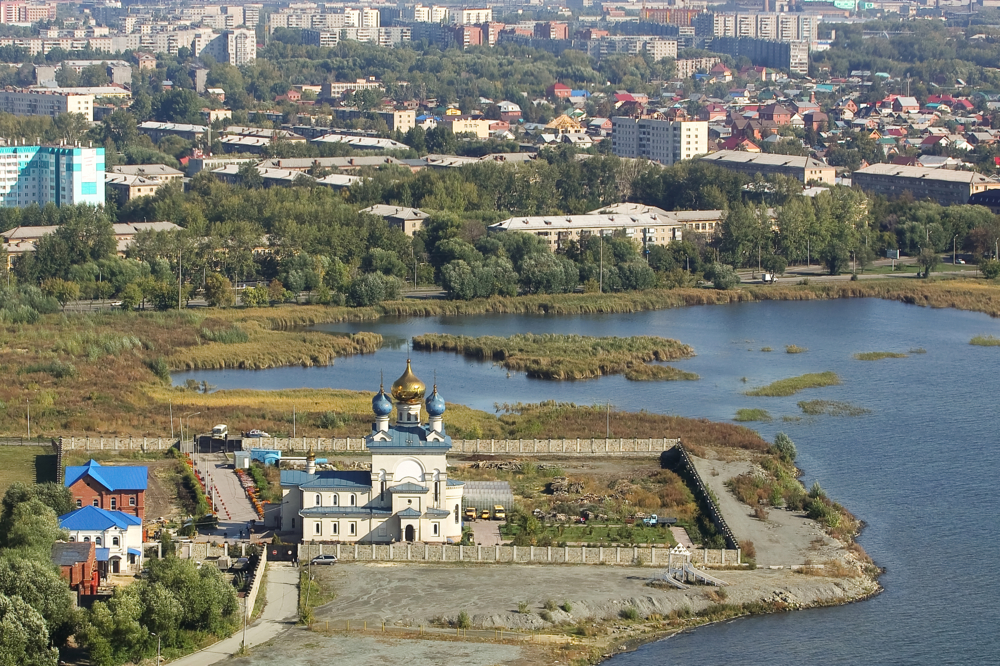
x=234, y=508
x=280, y=614
x=486, y=532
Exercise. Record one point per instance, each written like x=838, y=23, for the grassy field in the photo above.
x=878, y=356
x=568, y=356
x=598, y=534
x=792, y=385
x=27, y=464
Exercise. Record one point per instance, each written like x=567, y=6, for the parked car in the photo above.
x=324, y=559
x=470, y=513
x=960, y=261
x=256, y=433
x=485, y=514
x=499, y=513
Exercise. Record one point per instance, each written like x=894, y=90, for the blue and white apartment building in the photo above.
x=63, y=175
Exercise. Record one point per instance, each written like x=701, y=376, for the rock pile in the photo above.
x=560, y=485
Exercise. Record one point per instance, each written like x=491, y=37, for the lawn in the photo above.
x=599, y=534
x=27, y=464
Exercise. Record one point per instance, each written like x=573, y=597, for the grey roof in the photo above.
x=970, y=177
x=326, y=479
x=68, y=554
x=409, y=513
x=455, y=482
x=146, y=170
x=408, y=488
x=408, y=438
x=764, y=159
x=344, y=512
x=437, y=513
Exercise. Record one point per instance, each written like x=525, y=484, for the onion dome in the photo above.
x=381, y=404
x=310, y=456
x=435, y=403
x=408, y=389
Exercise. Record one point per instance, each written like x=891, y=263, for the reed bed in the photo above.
x=985, y=341
x=795, y=349
x=745, y=415
x=831, y=408
x=568, y=356
x=792, y=385
x=878, y=356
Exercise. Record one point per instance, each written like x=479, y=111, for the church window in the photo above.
x=354, y=500
x=381, y=493
x=114, y=503
x=437, y=485
x=336, y=499
x=97, y=540
x=97, y=502
x=318, y=527
x=435, y=528
x=131, y=500
x=334, y=528
x=352, y=528
x=456, y=514
x=115, y=541
x=79, y=503
x=319, y=500
x=86, y=538
x=72, y=538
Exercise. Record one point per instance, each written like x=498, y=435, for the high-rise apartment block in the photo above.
x=761, y=25
x=663, y=141
x=63, y=175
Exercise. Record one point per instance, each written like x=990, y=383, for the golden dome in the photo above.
x=408, y=389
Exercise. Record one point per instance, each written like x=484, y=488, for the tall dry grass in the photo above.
x=552, y=356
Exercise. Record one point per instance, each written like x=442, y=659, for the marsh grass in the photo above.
x=831, y=408
x=766, y=349
x=752, y=415
x=985, y=341
x=795, y=349
x=552, y=356
x=878, y=356
x=792, y=385
x=918, y=350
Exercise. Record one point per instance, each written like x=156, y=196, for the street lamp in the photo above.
x=188, y=417
x=157, y=646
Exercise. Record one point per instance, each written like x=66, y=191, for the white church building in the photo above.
x=407, y=496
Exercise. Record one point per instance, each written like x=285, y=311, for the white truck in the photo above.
x=220, y=431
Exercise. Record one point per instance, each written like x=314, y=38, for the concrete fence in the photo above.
x=258, y=575
x=424, y=552
x=686, y=466
x=631, y=447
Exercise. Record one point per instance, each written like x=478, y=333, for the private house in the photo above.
x=406, y=497
x=407, y=220
x=775, y=113
x=117, y=537
x=121, y=489
x=905, y=105
x=564, y=125
x=509, y=112
x=559, y=90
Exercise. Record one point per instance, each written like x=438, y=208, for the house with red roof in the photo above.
x=739, y=143
x=558, y=90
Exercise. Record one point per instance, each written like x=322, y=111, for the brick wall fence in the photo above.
x=522, y=447
x=420, y=552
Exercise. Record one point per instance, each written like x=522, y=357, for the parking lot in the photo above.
x=486, y=532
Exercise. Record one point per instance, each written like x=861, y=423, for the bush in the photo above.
x=545, y=615
x=785, y=447
x=723, y=276
x=631, y=613
x=159, y=368
x=549, y=605
x=749, y=551
x=990, y=268
x=522, y=607
x=463, y=621
x=567, y=607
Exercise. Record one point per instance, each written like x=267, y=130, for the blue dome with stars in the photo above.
x=435, y=403
x=381, y=404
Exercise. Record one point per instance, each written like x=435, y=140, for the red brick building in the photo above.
x=559, y=90
x=110, y=488
x=551, y=30
x=77, y=564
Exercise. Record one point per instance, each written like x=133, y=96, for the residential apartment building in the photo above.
x=23, y=12
x=688, y=67
x=471, y=16
x=63, y=175
x=659, y=140
x=657, y=228
x=44, y=102
x=425, y=14
x=789, y=56
x=337, y=89
x=403, y=121
x=804, y=169
x=657, y=47
x=760, y=25
x=460, y=125
x=946, y=187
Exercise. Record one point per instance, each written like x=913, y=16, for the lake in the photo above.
x=920, y=468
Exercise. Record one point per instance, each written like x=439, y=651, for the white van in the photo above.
x=220, y=431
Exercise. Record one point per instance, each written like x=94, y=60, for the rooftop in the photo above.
x=925, y=173
x=93, y=519
x=112, y=478
x=765, y=159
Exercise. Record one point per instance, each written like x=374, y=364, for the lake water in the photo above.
x=921, y=468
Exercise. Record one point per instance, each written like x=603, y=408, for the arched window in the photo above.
x=336, y=499
x=114, y=503
x=114, y=541
x=72, y=538
x=319, y=500
x=354, y=500
x=86, y=538
x=436, y=529
x=97, y=540
x=456, y=514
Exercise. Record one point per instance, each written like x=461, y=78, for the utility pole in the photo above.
x=607, y=432
x=602, y=260
x=180, y=281
x=171, y=419
x=27, y=404
x=953, y=241
x=293, y=421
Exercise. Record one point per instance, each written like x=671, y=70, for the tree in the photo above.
x=34, y=527
x=255, y=297
x=130, y=297
x=63, y=291
x=24, y=639
x=928, y=259
x=835, y=257
x=276, y=291
x=249, y=176
x=218, y=291
x=990, y=268
x=38, y=584
x=723, y=276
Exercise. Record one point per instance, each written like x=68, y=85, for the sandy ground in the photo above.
x=413, y=595
x=786, y=538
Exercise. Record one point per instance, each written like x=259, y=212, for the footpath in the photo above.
x=280, y=614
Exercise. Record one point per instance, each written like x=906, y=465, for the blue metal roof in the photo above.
x=408, y=513
x=135, y=551
x=112, y=478
x=93, y=519
x=409, y=437
x=408, y=488
x=102, y=554
x=326, y=479
x=344, y=512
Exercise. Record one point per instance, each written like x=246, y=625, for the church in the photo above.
x=407, y=496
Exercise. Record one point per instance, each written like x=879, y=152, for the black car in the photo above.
x=324, y=559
